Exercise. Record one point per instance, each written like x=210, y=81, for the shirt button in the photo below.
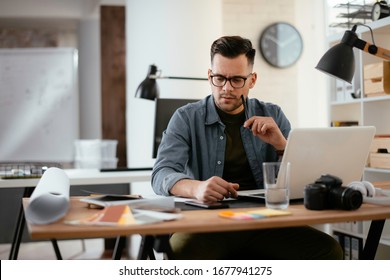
x=221, y=137
x=219, y=162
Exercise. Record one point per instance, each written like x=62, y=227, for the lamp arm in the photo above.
x=176, y=78
x=380, y=52
x=371, y=49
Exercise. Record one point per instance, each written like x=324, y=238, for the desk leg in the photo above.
x=160, y=243
x=18, y=233
x=119, y=246
x=56, y=249
x=146, y=248
x=372, y=241
x=13, y=255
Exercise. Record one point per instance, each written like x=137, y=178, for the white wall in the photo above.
x=312, y=98
x=176, y=36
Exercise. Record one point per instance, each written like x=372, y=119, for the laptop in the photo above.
x=312, y=152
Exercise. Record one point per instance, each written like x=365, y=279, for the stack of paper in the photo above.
x=123, y=215
x=159, y=203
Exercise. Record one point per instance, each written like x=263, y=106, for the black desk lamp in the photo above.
x=148, y=89
x=339, y=60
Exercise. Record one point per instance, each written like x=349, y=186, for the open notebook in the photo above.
x=312, y=152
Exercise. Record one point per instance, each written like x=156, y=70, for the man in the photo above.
x=210, y=150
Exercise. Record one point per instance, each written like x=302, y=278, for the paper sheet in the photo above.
x=122, y=215
x=50, y=200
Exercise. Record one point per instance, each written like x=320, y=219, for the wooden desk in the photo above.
x=209, y=221
x=76, y=177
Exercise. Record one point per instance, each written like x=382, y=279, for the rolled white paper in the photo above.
x=49, y=201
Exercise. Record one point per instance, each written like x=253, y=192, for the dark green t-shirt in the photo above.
x=236, y=166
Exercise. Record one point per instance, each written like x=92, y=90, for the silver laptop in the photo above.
x=312, y=152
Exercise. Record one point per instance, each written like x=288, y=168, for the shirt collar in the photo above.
x=211, y=112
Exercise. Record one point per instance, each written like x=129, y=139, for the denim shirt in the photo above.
x=193, y=145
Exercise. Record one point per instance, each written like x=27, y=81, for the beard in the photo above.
x=228, y=103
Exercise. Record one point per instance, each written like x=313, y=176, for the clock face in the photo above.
x=281, y=44
x=380, y=10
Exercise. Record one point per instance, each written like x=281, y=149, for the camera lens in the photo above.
x=345, y=198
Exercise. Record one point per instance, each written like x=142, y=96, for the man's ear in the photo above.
x=253, y=80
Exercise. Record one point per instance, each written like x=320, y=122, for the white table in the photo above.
x=86, y=177
x=77, y=177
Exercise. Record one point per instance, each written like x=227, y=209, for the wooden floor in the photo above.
x=89, y=249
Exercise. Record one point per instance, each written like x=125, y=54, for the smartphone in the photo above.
x=207, y=205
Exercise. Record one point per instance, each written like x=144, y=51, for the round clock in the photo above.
x=380, y=10
x=281, y=44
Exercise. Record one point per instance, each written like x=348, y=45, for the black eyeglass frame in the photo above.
x=229, y=79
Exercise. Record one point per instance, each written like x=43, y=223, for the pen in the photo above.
x=245, y=108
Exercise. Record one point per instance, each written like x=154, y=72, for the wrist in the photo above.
x=280, y=152
x=281, y=146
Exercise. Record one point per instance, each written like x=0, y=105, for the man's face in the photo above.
x=227, y=98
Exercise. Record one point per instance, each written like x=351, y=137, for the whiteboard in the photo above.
x=39, y=118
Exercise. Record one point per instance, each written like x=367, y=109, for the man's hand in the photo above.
x=211, y=190
x=215, y=189
x=267, y=130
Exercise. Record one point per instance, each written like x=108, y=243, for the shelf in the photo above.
x=376, y=99
x=383, y=241
x=379, y=170
x=366, y=110
x=360, y=100
x=340, y=103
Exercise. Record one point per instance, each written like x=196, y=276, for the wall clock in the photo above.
x=380, y=10
x=281, y=44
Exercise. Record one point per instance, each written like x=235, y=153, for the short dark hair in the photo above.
x=233, y=46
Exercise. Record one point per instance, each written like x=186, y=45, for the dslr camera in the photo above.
x=328, y=193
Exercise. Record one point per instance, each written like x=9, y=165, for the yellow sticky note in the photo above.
x=270, y=212
x=251, y=215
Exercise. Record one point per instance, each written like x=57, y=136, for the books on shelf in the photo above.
x=352, y=245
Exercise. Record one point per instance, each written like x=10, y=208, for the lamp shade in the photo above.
x=148, y=89
x=338, y=61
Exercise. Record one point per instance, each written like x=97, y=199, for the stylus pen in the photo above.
x=245, y=107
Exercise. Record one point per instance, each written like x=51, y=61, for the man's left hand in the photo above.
x=267, y=130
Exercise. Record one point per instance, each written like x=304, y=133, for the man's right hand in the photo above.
x=215, y=189
x=211, y=190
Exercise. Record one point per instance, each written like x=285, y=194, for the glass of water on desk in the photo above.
x=276, y=183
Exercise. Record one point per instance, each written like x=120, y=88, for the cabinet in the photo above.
x=349, y=103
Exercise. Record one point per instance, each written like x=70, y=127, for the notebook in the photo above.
x=312, y=152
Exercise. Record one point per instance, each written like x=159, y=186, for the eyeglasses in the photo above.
x=236, y=82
